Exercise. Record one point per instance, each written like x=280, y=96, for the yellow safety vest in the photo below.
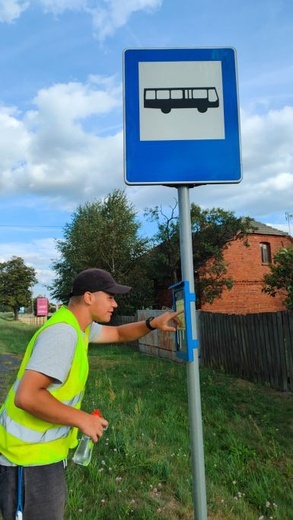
x=26, y=440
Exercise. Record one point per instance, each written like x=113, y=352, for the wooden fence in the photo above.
x=257, y=347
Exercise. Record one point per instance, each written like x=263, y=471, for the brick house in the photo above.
x=247, y=266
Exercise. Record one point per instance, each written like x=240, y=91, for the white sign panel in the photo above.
x=192, y=95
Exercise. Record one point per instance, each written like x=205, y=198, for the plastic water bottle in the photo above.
x=84, y=450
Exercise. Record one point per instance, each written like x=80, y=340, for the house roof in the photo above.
x=264, y=229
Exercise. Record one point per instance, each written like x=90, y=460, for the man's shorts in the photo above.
x=43, y=491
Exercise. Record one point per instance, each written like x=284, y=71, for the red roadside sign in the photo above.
x=42, y=306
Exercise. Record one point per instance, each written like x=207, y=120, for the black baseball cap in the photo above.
x=93, y=280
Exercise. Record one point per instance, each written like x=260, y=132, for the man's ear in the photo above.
x=87, y=297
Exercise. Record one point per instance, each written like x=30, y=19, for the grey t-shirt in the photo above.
x=54, y=349
x=53, y=353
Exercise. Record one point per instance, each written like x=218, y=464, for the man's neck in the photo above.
x=81, y=314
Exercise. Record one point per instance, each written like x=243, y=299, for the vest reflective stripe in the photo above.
x=32, y=436
x=27, y=440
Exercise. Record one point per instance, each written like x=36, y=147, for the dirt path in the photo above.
x=9, y=364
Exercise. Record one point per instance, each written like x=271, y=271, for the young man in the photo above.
x=41, y=416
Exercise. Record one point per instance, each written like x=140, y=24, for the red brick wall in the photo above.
x=247, y=271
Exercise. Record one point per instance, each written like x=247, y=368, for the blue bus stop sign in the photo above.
x=181, y=116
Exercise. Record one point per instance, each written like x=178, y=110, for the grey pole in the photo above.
x=193, y=382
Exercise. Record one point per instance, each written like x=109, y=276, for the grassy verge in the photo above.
x=14, y=335
x=13, y=339
x=141, y=468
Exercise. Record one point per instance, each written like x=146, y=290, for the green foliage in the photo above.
x=212, y=232
x=16, y=279
x=164, y=258
x=280, y=279
x=103, y=234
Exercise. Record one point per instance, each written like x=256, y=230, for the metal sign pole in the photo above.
x=193, y=382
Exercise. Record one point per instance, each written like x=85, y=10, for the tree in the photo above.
x=15, y=281
x=280, y=279
x=212, y=232
x=103, y=234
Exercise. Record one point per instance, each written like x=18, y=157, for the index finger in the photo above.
x=177, y=313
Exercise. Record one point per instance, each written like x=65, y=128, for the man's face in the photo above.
x=102, y=306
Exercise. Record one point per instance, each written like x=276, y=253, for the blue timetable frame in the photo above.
x=185, y=342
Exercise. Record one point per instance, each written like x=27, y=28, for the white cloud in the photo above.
x=10, y=10
x=267, y=184
x=59, y=6
x=50, y=151
x=267, y=136
x=61, y=150
x=77, y=101
x=14, y=145
x=14, y=138
x=113, y=14
x=107, y=15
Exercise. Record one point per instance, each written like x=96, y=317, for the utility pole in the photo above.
x=289, y=216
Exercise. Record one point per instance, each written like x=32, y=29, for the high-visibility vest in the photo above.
x=26, y=440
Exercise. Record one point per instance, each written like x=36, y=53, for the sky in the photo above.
x=61, y=111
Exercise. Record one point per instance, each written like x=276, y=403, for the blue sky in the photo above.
x=61, y=109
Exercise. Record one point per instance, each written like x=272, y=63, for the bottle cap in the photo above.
x=97, y=412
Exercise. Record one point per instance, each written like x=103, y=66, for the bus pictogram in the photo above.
x=166, y=99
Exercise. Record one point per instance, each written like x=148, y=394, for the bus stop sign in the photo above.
x=181, y=116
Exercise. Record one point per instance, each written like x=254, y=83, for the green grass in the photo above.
x=141, y=468
x=13, y=339
x=13, y=335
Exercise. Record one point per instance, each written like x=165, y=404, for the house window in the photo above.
x=265, y=252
